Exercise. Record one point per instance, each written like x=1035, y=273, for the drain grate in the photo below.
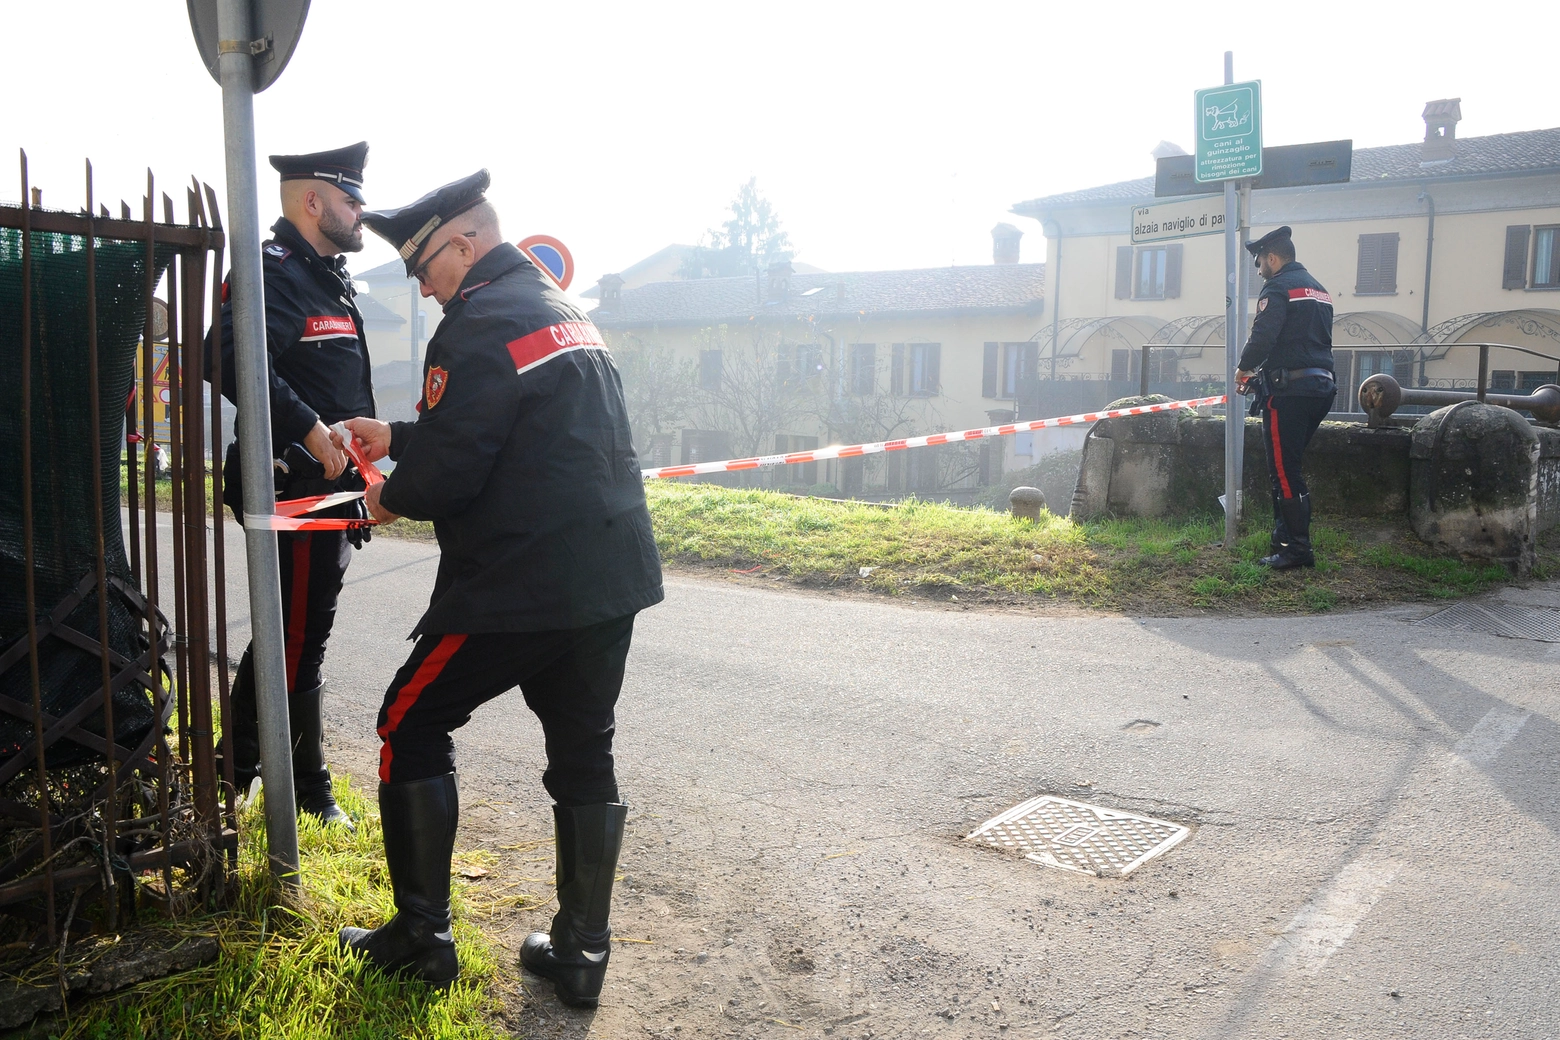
x=1080, y=837
x=1540, y=623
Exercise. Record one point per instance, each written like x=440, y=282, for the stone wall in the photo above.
x=1172, y=463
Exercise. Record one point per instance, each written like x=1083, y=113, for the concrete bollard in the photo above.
x=1473, y=487
x=1026, y=503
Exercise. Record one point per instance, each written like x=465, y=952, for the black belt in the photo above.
x=1301, y=373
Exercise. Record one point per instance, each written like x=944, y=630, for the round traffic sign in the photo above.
x=551, y=256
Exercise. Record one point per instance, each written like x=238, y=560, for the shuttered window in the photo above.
x=896, y=370
x=1123, y=272
x=1018, y=368
x=1150, y=281
x=988, y=371
x=1546, y=258
x=923, y=369
x=1514, y=274
x=1377, y=274
x=863, y=368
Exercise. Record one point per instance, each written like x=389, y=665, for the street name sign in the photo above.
x=1283, y=166
x=1183, y=218
x=1229, y=132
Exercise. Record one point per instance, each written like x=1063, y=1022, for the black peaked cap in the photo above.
x=343, y=167
x=1266, y=243
x=409, y=227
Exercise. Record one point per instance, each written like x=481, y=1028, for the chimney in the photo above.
x=1441, y=130
x=1004, y=244
x=780, y=272
x=610, y=287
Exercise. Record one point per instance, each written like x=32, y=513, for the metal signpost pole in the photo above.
x=1233, y=421
x=237, y=74
x=1242, y=317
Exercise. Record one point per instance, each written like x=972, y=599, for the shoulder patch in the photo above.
x=1262, y=304
x=433, y=386
x=279, y=251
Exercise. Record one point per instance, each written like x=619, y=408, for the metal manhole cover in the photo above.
x=1539, y=623
x=1076, y=836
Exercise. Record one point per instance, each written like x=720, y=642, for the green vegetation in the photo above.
x=279, y=973
x=980, y=555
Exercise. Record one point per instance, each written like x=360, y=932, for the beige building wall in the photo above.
x=1466, y=271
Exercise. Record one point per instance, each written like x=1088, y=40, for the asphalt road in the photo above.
x=1374, y=814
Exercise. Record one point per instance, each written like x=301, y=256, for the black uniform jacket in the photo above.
x=319, y=366
x=1293, y=329
x=522, y=458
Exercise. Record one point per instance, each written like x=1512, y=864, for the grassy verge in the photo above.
x=279, y=973
x=980, y=555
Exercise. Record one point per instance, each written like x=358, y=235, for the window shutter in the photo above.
x=988, y=372
x=896, y=370
x=934, y=368
x=1386, y=273
x=1028, y=368
x=1173, y=271
x=1123, y=272
x=1515, y=274
x=1370, y=260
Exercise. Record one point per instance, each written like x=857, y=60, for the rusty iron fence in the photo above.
x=99, y=819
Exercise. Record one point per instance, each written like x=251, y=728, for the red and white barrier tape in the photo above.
x=289, y=515
x=853, y=450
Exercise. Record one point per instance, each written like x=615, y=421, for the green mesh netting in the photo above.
x=63, y=470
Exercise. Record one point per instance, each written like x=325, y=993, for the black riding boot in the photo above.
x=419, y=823
x=1296, y=513
x=574, y=953
x=311, y=780
x=244, y=726
x=1280, y=536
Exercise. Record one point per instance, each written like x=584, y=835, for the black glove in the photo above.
x=359, y=534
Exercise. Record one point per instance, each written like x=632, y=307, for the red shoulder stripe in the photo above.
x=1309, y=294
x=547, y=343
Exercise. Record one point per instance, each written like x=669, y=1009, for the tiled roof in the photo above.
x=394, y=271
x=1496, y=153
x=993, y=289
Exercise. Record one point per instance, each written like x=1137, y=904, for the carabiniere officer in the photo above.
x=522, y=457
x=1288, y=367
x=319, y=375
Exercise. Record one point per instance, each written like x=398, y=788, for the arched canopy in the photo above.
x=1372, y=328
x=1129, y=330
x=1534, y=327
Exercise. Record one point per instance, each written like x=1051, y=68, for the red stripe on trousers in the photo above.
x=298, y=615
x=1278, y=450
x=407, y=696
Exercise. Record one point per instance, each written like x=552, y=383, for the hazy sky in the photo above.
x=886, y=134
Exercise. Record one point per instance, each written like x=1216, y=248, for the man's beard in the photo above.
x=346, y=237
